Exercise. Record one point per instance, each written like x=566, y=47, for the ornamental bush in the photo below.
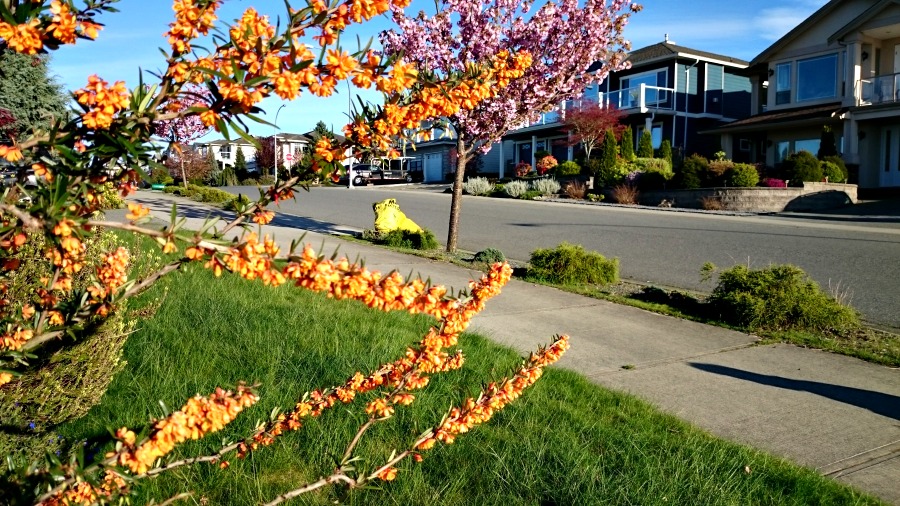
x=842, y=166
x=515, y=189
x=478, y=186
x=742, y=175
x=545, y=187
x=779, y=297
x=571, y=264
x=693, y=171
x=831, y=171
x=771, y=182
x=802, y=166
x=568, y=168
x=489, y=256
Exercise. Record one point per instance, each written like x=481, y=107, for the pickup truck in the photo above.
x=405, y=168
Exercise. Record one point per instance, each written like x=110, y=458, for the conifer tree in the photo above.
x=645, y=148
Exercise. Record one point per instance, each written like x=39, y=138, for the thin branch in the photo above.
x=28, y=220
x=313, y=486
x=153, y=278
x=359, y=434
x=186, y=462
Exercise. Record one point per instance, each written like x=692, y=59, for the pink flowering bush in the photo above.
x=771, y=182
x=546, y=164
x=523, y=169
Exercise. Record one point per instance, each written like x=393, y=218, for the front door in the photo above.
x=890, y=157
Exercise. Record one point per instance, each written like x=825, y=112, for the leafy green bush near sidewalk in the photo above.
x=205, y=194
x=571, y=264
x=422, y=240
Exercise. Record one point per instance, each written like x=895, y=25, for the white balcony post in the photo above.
x=642, y=100
x=853, y=95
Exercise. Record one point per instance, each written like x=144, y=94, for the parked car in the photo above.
x=361, y=174
x=405, y=168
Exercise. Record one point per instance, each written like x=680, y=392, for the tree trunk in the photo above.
x=183, y=177
x=462, y=156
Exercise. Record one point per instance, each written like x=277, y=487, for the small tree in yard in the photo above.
x=265, y=155
x=188, y=163
x=645, y=147
x=561, y=38
x=181, y=130
x=30, y=97
x=665, y=151
x=827, y=145
x=588, y=123
x=609, y=158
x=627, y=144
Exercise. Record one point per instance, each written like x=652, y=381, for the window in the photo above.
x=817, y=78
x=225, y=151
x=655, y=136
x=744, y=144
x=782, y=150
x=782, y=83
x=656, y=78
x=785, y=148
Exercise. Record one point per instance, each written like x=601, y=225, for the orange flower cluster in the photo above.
x=15, y=337
x=11, y=153
x=5, y=378
x=435, y=101
x=199, y=417
x=342, y=280
x=112, y=274
x=85, y=493
x=495, y=397
x=136, y=212
x=251, y=260
x=62, y=27
x=190, y=22
x=103, y=102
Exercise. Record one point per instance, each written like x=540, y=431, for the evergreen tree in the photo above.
x=29, y=94
x=609, y=158
x=665, y=151
x=827, y=146
x=240, y=161
x=322, y=131
x=215, y=171
x=627, y=144
x=645, y=148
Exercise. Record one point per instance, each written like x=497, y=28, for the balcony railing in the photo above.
x=641, y=97
x=880, y=90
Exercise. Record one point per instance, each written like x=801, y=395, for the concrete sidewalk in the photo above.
x=836, y=414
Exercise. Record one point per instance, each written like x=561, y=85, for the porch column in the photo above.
x=853, y=92
x=533, y=146
x=727, y=143
x=502, y=159
x=571, y=153
x=851, y=139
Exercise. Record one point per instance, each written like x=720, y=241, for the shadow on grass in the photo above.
x=876, y=402
x=679, y=301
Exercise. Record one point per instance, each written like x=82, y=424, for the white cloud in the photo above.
x=771, y=24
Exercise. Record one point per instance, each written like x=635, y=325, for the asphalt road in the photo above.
x=667, y=248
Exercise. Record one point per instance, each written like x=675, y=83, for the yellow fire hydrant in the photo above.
x=389, y=217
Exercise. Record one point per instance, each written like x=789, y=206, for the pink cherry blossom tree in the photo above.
x=184, y=129
x=564, y=38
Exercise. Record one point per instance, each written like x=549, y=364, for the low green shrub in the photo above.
x=110, y=198
x=268, y=179
x=779, y=297
x=423, y=240
x=716, y=173
x=160, y=176
x=202, y=193
x=530, y=195
x=837, y=160
x=802, y=166
x=489, y=256
x=693, y=169
x=611, y=176
x=833, y=173
x=568, y=168
x=478, y=186
x=237, y=202
x=657, y=165
x=546, y=187
x=742, y=175
x=515, y=189
x=249, y=182
x=571, y=264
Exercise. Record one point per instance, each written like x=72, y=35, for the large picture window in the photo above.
x=783, y=83
x=652, y=95
x=817, y=78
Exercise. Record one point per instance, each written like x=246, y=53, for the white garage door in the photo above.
x=433, y=168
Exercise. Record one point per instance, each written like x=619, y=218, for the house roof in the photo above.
x=668, y=50
x=795, y=32
x=790, y=117
x=860, y=20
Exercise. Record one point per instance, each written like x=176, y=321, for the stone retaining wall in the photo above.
x=811, y=197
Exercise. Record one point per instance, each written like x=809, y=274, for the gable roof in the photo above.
x=795, y=32
x=667, y=51
x=860, y=20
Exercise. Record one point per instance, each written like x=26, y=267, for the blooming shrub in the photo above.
x=633, y=177
x=771, y=182
x=515, y=189
x=478, y=186
x=545, y=187
x=112, y=126
x=546, y=164
x=523, y=169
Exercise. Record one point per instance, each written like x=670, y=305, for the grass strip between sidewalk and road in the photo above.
x=566, y=441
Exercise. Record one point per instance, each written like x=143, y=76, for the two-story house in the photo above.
x=674, y=92
x=838, y=68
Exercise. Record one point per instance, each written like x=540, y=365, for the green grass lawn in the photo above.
x=566, y=441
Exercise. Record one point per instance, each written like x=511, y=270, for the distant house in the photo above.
x=838, y=68
x=291, y=146
x=673, y=92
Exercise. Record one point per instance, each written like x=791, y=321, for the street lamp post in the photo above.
x=275, y=143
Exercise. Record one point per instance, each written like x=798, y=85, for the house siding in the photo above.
x=736, y=100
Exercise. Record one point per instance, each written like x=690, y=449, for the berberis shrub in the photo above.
x=778, y=297
x=571, y=264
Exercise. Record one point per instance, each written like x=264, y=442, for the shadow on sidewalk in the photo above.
x=876, y=402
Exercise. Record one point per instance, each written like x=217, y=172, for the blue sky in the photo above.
x=132, y=37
